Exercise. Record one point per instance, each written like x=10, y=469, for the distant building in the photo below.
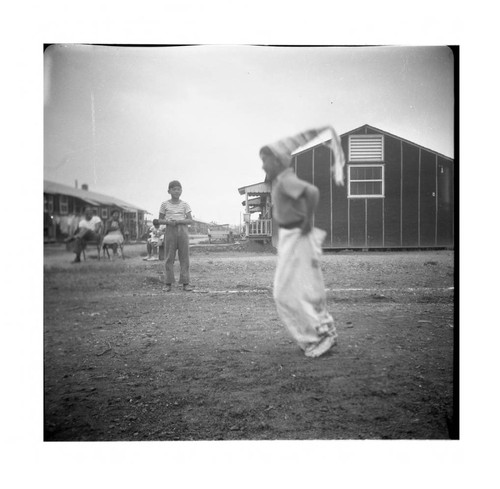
x=397, y=194
x=257, y=200
x=199, y=227
x=64, y=205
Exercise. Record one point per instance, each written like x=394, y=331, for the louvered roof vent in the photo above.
x=369, y=147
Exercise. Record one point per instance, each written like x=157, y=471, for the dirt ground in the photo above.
x=124, y=360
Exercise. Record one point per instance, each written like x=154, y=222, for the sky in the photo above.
x=126, y=120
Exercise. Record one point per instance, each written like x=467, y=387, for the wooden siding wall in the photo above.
x=393, y=189
x=409, y=195
x=417, y=210
x=340, y=211
x=428, y=200
x=75, y=206
x=445, y=207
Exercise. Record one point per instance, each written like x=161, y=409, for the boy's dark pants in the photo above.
x=177, y=240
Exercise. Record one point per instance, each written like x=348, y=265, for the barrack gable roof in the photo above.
x=256, y=189
x=92, y=198
x=324, y=137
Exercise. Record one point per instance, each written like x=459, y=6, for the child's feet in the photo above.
x=322, y=347
x=146, y=258
x=187, y=288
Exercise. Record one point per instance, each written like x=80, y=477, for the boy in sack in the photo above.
x=299, y=290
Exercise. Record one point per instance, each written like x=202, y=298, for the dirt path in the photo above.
x=126, y=361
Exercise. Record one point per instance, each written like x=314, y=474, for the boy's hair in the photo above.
x=278, y=163
x=156, y=222
x=174, y=183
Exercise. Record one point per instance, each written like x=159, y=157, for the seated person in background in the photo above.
x=113, y=234
x=89, y=229
x=155, y=240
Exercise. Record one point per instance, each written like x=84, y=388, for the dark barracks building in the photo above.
x=397, y=194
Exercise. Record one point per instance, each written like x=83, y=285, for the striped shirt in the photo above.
x=174, y=212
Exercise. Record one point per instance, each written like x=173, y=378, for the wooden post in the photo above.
x=247, y=224
x=136, y=224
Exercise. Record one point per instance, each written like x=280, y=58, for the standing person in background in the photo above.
x=176, y=215
x=299, y=290
x=89, y=229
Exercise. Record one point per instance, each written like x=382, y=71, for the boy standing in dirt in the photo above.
x=176, y=215
x=299, y=290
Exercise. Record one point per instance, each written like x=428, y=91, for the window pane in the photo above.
x=366, y=173
x=366, y=188
x=358, y=188
x=366, y=180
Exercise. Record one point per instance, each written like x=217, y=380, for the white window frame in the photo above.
x=353, y=137
x=63, y=204
x=368, y=196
